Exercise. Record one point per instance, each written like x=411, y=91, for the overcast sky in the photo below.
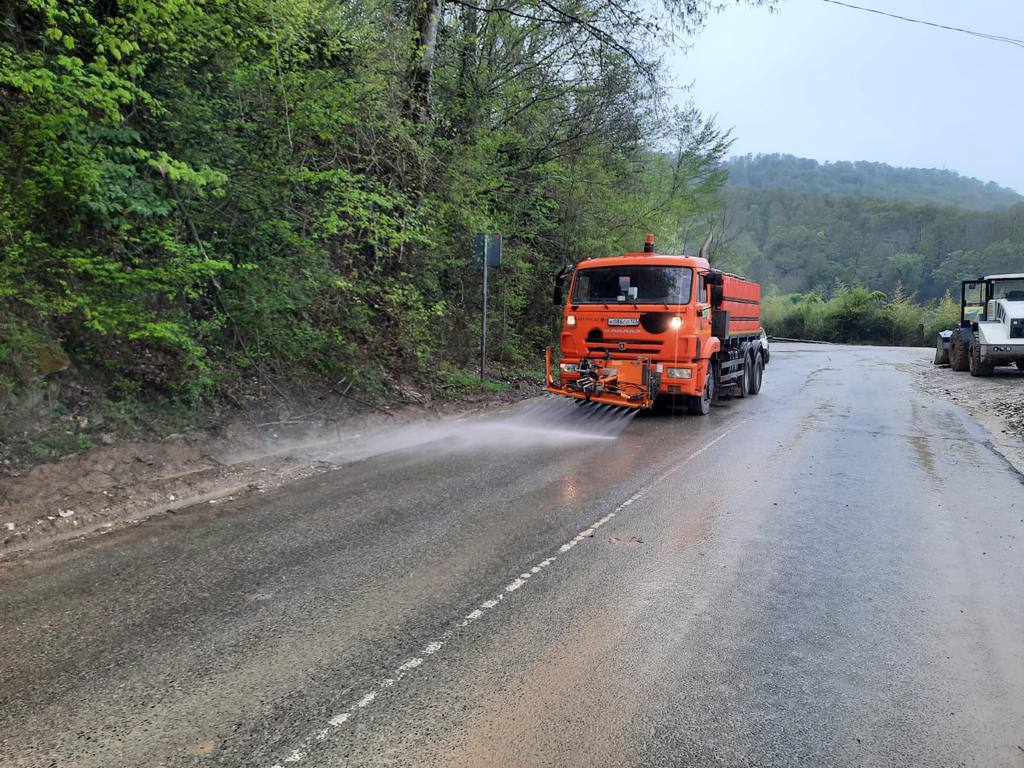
x=823, y=81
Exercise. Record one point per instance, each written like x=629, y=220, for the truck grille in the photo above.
x=635, y=346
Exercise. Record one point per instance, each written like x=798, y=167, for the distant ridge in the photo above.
x=868, y=179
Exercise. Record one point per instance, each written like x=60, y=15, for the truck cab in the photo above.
x=643, y=325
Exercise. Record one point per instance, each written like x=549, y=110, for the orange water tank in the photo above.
x=742, y=300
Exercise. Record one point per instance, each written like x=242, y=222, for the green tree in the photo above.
x=238, y=197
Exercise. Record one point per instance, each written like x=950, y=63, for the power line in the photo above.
x=983, y=35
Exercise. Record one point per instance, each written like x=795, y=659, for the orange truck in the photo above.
x=645, y=326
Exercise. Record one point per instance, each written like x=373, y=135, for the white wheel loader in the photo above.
x=991, y=328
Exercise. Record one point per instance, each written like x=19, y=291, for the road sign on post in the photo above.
x=486, y=253
x=491, y=244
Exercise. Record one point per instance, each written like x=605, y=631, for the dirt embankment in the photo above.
x=126, y=482
x=996, y=401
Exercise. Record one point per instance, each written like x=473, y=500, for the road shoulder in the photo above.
x=114, y=486
x=997, y=402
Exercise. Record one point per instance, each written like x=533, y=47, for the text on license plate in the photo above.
x=623, y=321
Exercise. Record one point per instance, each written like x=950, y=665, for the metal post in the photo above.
x=483, y=334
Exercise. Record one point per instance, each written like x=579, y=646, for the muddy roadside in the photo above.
x=127, y=482
x=996, y=401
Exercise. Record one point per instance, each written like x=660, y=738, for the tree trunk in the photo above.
x=427, y=16
x=467, y=68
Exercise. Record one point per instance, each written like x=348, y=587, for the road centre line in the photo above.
x=298, y=754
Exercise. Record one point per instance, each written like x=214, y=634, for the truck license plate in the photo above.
x=623, y=321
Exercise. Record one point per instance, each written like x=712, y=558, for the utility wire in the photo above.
x=983, y=35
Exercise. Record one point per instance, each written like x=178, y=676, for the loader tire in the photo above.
x=959, y=360
x=978, y=368
x=941, y=355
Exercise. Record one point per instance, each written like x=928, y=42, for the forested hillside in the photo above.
x=921, y=185
x=842, y=261
x=799, y=241
x=227, y=199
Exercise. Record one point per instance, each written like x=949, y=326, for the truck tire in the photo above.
x=700, y=405
x=977, y=367
x=1020, y=365
x=756, y=375
x=959, y=360
x=743, y=385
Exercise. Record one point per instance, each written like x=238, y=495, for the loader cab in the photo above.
x=978, y=297
x=973, y=302
x=1009, y=287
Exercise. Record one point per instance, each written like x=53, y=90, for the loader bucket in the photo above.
x=942, y=348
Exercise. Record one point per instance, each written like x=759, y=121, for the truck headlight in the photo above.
x=676, y=323
x=570, y=321
x=569, y=367
x=679, y=373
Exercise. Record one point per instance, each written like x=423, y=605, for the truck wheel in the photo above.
x=756, y=375
x=959, y=360
x=743, y=385
x=700, y=405
x=977, y=367
x=1020, y=365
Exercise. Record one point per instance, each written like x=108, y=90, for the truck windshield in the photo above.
x=633, y=283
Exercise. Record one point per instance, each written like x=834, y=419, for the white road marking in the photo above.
x=299, y=754
x=410, y=664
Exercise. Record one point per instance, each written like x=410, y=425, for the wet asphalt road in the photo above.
x=829, y=573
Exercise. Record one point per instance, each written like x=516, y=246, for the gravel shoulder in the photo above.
x=996, y=401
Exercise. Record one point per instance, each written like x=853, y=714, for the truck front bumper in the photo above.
x=632, y=383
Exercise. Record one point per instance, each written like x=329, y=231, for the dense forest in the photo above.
x=237, y=198
x=801, y=241
x=920, y=185
x=854, y=268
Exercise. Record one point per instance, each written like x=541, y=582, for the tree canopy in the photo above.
x=203, y=197
x=807, y=241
